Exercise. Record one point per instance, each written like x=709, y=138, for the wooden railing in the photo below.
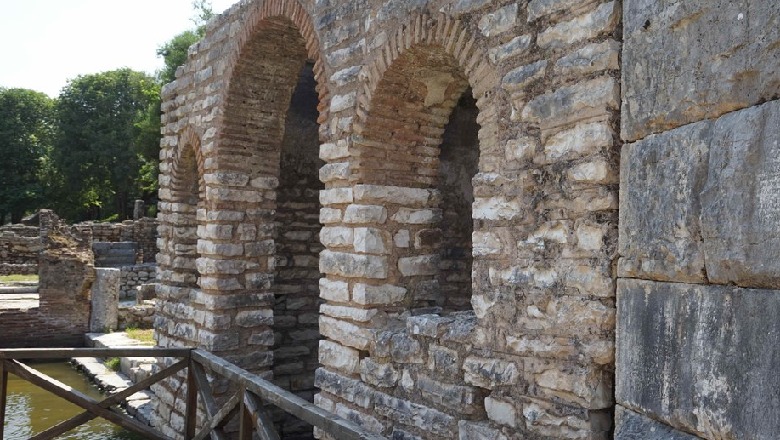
x=248, y=402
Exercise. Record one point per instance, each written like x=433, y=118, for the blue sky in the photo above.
x=43, y=43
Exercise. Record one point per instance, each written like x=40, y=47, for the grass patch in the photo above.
x=145, y=336
x=17, y=278
x=113, y=363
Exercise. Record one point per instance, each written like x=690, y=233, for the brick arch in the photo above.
x=453, y=38
x=261, y=16
x=424, y=80
x=187, y=194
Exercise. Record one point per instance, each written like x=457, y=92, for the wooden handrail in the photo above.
x=247, y=403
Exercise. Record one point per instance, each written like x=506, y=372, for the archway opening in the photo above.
x=421, y=133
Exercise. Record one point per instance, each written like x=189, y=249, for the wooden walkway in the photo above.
x=247, y=402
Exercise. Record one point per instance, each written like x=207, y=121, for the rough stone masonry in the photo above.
x=448, y=219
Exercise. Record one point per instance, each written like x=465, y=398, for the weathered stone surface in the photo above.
x=740, y=203
x=489, y=373
x=345, y=333
x=630, y=425
x=478, y=431
x=699, y=358
x=661, y=177
x=353, y=265
x=688, y=61
x=104, y=300
x=379, y=374
x=377, y=295
x=601, y=21
x=337, y=291
x=365, y=214
x=586, y=100
x=501, y=411
x=498, y=21
x=594, y=57
x=420, y=265
x=516, y=46
x=339, y=357
x=701, y=202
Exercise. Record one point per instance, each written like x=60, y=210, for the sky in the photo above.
x=44, y=43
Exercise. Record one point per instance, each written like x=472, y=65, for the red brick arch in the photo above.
x=441, y=30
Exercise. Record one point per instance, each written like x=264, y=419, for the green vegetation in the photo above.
x=18, y=278
x=144, y=335
x=113, y=363
x=26, y=130
x=92, y=151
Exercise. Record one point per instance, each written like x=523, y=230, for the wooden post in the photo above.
x=245, y=419
x=190, y=418
x=3, y=394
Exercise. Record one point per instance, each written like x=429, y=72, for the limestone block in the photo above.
x=594, y=57
x=516, y=46
x=417, y=216
x=593, y=99
x=501, y=411
x=335, y=196
x=254, y=318
x=351, y=390
x=333, y=290
x=463, y=399
x=351, y=313
x=367, y=422
x=329, y=216
x=489, y=373
x=339, y=357
x=520, y=149
x=630, y=425
x=495, y=208
x=601, y=21
x=520, y=77
x=226, y=178
x=371, y=241
x=335, y=236
x=342, y=102
x=740, y=202
x=345, y=333
x=353, y=265
x=498, y=21
x=402, y=239
x=485, y=243
x=660, y=179
x=380, y=195
x=333, y=151
x=334, y=171
x=104, y=295
x=360, y=214
x=414, y=414
x=404, y=349
x=702, y=359
x=689, y=61
x=419, y=266
x=478, y=431
x=385, y=294
x=540, y=8
x=583, y=140
x=378, y=373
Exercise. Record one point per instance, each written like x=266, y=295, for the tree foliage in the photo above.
x=107, y=135
x=26, y=129
x=174, y=52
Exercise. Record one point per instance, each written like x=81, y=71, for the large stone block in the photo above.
x=633, y=426
x=740, y=202
x=702, y=202
x=702, y=359
x=687, y=61
x=660, y=179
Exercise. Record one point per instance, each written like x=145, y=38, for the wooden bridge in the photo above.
x=248, y=402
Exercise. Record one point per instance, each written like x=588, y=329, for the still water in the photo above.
x=32, y=410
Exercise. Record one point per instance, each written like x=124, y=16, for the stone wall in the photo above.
x=66, y=274
x=699, y=243
x=142, y=231
x=19, y=249
x=131, y=277
x=469, y=173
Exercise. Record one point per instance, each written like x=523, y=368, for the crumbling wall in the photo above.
x=419, y=339
x=699, y=240
x=19, y=249
x=66, y=273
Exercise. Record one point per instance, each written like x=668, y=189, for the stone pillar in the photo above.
x=138, y=209
x=105, y=300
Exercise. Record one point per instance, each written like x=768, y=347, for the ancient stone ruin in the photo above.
x=482, y=219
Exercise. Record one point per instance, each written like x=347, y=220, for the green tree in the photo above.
x=25, y=138
x=174, y=52
x=105, y=140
